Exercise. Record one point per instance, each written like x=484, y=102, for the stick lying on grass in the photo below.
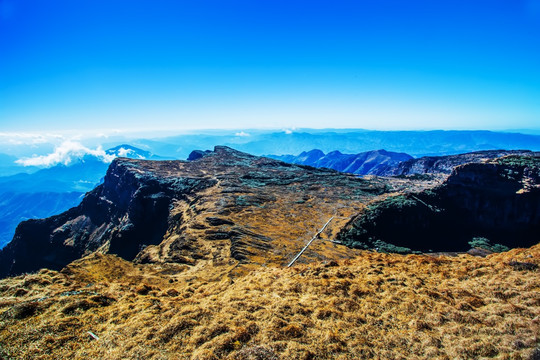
x=93, y=335
x=309, y=242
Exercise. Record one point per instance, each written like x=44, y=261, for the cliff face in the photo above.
x=499, y=200
x=225, y=206
x=128, y=211
x=445, y=164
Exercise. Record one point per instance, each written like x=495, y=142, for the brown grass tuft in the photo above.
x=373, y=306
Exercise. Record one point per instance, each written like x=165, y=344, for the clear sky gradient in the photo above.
x=377, y=64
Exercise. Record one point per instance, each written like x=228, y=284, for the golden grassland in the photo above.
x=374, y=306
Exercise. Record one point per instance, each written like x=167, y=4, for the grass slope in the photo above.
x=378, y=306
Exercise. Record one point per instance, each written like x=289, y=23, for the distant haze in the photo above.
x=65, y=148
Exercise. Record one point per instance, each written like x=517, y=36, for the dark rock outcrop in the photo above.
x=127, y=212
x=197, y=154
x=499, y=201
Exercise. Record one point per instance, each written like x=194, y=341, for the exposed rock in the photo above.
x=244, y=206
x=197, y=154
x=499, y=201
x=127, y=212
x=520, y=265
x=444, y=164
x=216, y=221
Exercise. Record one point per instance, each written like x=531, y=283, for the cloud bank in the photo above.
x=66, y=153
x=242, y=134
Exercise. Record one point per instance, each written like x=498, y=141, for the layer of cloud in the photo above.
x=242, y=133
x=29, y=138
x=66, y=153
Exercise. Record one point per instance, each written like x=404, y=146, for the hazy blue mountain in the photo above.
x=348, y=141
x=415, y=143
x=81, y=175
x=16, y=207
x=366, y=163
x=8, y=166
x=133, y=152
x=179, y=147
x=53, y=190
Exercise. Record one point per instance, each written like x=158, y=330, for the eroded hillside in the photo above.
x=224, y=207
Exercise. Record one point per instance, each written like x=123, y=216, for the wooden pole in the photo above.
x=309, y=243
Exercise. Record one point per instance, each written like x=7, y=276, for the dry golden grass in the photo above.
x=373, y=306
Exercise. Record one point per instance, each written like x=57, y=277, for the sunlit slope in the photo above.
x=374, y=306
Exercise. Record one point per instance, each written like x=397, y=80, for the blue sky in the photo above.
x=137, y=65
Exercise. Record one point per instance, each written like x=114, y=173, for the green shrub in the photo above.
x=484, y=243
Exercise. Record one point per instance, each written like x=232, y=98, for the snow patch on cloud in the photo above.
x=66, y=153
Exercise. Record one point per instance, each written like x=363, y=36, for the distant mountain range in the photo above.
x=350, y=141
x=366, y=163
x=343, y=150
x=445, y=164
x=53, y=190
x=386, y=163
x=8, y=166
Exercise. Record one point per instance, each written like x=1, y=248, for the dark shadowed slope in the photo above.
x=499, y=201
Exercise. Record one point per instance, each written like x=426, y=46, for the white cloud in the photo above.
x=241, y=133
x=66, y=153
x=124, y=152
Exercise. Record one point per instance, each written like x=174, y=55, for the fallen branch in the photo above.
x=93, y=335
x=309, y=242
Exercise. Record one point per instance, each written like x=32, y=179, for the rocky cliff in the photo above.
x=128, y=211
x=498, y=201
x=223, y=206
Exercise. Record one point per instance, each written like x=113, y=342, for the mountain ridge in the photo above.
x=225, y=206
x=365, y=163
x=498, y=201
x=209, y=242
x=164, y=210
x=445, y=164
